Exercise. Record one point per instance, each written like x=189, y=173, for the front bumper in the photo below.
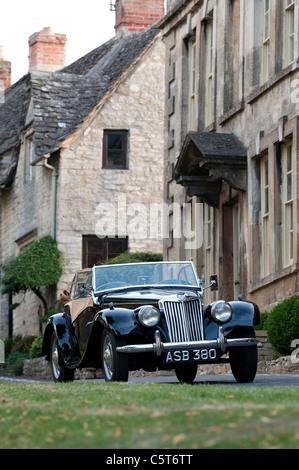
x=158, y=347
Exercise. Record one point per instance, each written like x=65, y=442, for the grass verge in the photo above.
x=92, y=415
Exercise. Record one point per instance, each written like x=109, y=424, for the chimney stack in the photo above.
x=5, y=70
x=137, y=15
x=47, y=51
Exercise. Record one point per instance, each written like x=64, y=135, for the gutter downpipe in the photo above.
x=54, y=187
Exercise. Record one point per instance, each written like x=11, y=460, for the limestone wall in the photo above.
x=137, y=105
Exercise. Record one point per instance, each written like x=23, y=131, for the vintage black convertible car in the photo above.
x=151, y=316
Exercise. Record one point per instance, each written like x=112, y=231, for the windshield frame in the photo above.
x=159, y=285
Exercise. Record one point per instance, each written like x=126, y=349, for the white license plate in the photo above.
x=190, y=355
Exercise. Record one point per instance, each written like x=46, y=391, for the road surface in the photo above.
x=262, y=380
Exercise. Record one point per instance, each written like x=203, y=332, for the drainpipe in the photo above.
x=54, y=186
x=44, y=162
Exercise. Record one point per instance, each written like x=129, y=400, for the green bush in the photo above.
x=137, y=257
x=9, y=343
x=36, y=348
x=23, y=345
x=14, y=357
x=18, y=366
x=37, y=266
x=263, y=323
x=283, y=325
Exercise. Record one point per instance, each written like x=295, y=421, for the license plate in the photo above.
x=190, y=355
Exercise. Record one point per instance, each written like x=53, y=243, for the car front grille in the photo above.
x=183, y=320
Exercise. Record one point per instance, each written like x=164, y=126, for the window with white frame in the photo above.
x=264, y=216
x=289, y=31
x=287, y=187
x=266, y=40
x=209, y=73
x=192, y=99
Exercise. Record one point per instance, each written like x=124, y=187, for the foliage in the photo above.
x=9, y=342
x=23, y=345
x=283, y=325
x=38, y=265
x=263, y=323
x=136, y=257
x=18, y=347
x=18, y=366
x=36, y=348
x=13, y=357
x=45, y=317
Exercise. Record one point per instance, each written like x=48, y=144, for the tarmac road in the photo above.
x=262, y=380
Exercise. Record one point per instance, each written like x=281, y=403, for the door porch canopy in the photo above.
x=207, y=159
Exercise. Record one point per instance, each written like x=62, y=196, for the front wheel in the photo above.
x=60, y=373
x=243, y=362
x=186, y=373
x=114, y=364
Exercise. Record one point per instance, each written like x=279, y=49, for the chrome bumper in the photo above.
x=158, y=347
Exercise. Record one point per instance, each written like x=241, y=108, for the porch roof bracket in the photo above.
x=206, y=188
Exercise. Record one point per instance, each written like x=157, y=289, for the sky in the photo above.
x=86, y=23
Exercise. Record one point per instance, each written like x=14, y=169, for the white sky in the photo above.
x=86, y=23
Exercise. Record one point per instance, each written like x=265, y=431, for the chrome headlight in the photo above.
x=221, y=311
x=148, y=315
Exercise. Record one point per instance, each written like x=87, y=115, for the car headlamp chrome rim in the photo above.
x=148, y=315
x=221, y=311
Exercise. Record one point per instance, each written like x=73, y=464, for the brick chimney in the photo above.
x=137, y=15
x=47, y=51
x=5, y=70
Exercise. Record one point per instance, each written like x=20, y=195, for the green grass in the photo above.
x=95, y=415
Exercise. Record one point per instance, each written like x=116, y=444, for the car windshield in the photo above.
x=140, y=274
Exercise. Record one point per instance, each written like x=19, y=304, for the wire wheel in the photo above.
x=59, y=371
x=114, y=364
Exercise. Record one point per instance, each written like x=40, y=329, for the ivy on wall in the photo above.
x=37, y=266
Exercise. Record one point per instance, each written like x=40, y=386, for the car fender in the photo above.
x=67, y=343
x=245, y=315
x=120, y=321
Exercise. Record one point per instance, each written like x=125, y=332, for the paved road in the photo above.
x=264, y=380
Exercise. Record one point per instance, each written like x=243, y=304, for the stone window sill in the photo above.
x=273, y=277
x=260, y=90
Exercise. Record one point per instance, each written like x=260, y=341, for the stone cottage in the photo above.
x=81, y=152
x=231, y=154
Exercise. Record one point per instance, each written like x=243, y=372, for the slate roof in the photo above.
x=10, y=115
x=62, y=100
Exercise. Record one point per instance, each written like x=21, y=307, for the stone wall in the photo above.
x=137, y=105
x=265, y=349
x=262, y=115
x=85, y=188
x=25, y=216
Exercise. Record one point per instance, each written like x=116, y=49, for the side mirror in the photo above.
x=214, y=282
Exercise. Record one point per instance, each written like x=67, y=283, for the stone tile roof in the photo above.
x=62, y=100
x=10, y=115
